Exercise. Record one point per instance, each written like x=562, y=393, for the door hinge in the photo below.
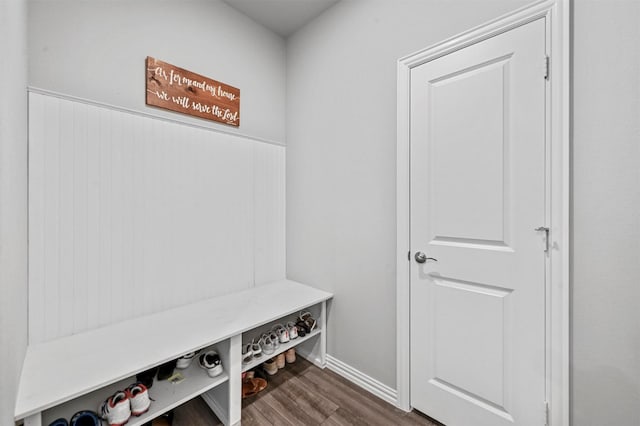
x=547, y=65
x=409, y=255
x=546, y=413
x=546, y=236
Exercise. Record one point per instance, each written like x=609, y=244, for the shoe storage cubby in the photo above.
x=79, y=372
x=308, y=346
x=164, y=394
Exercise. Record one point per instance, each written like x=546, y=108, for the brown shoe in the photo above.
x=290, y=356
x=270, y=366
x=250, y=387
x=280, y=361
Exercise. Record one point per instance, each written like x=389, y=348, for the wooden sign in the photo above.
x=179, y=90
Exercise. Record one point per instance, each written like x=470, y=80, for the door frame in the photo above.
x=557, y=15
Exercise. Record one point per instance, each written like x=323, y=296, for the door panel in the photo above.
x=456, y=129
x=477, y=195
x=469, y=337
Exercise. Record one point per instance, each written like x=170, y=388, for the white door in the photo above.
x=477, y=197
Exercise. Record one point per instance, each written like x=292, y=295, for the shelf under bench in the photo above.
x=164, y=394
x=76, y=366
x=282, y=348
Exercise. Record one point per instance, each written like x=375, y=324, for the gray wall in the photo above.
x=96, y=50
x=13, y=200
x=341, y=162
x=606, y=216
x=341, y=183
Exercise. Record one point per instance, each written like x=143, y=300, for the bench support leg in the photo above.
x=33, y=420
x=235, y=379
x=322, y=356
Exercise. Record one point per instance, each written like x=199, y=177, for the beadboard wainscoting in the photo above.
x=131, y=214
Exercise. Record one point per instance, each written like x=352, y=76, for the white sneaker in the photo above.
x=211, y=362
x=185, y=360
x=283, y=334
x=293, y=330
x=138, y=398
x=116, y=410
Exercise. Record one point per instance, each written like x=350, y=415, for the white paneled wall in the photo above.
x=269, y=225
x=130, y=215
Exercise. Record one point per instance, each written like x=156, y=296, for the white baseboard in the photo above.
x=354, y=375
x=366, y=382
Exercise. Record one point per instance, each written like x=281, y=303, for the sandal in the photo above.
x=306, y=318
x=250, y=387
x=247, y=354
x=267, y=345
x=302, y=328
x=274, y=340
x=256, y=349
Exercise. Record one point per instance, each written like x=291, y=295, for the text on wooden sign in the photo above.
x=179, y=90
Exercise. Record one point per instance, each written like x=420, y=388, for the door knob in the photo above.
x=422, y=258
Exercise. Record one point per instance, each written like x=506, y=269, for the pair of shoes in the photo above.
x=166, y=370
x=266, y=344
x=146, y=377
x=293, y=330
x=274, y=339
x=269, y=342
x=211, y=362
x=280, y=361
x=119, y=407
x=270, y=366
x=286, y=333
x=281, y=332
x=302, y=329
x=81, y=418
x=247, y=354
x=290, y=356
x=252, y=386
x=306, y=321
x=185, y=360
x=251, y=351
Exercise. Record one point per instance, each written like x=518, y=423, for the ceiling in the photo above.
x=284, y=17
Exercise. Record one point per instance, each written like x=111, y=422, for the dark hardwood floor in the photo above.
x=303, y=394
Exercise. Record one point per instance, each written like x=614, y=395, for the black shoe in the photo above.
x=303, y=328
x=85, y=418
x=166, y=370
x=146, y=377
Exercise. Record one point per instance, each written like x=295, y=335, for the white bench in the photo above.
x=77, y=372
